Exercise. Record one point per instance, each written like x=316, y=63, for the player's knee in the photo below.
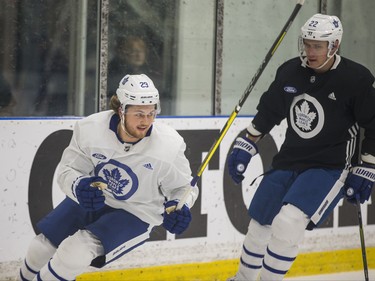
x=289, y=225
x=76, y=251
x=258, y=232
x=40, y=251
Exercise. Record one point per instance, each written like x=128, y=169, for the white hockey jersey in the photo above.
x=140, y=176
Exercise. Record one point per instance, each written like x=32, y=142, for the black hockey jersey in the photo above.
x=324, y=112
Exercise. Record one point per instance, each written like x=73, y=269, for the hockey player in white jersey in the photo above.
x=120, y=172
x=325, y=99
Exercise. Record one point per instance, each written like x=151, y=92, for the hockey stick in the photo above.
x=350, y=192
x=362, y=237
x=242, y=100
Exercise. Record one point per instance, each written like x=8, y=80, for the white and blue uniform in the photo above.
x=141, y=177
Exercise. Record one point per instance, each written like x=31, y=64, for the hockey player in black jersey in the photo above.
x=325, y=99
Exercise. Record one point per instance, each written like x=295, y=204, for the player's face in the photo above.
x=316, y=52
x=138, y=119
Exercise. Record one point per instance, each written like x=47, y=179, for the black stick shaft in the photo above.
x=362, y=237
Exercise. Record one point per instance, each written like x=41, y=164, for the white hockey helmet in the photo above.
x=321, y=28
x=137, y=90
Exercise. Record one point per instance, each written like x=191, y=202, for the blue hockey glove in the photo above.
x=240, y=157
x=89, y=196
x=359, y=183
x=176, y=221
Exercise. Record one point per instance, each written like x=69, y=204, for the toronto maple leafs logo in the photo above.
x=115, y=183
x=124, y=80
x=122, y=181
x=306, y=116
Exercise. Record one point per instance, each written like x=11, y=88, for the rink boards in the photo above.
x=31, y=149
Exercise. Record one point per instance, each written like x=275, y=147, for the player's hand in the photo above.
x=176, y=221
x=89, y=194
x=359, y=183
x=240, y=157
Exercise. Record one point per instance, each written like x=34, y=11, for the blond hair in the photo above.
x=115, y=104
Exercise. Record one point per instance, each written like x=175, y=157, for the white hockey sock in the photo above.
x=288, y=229
x=38, y=254
x=253, y=250
x=48, y=273
x=26, y=273
x=277, y=260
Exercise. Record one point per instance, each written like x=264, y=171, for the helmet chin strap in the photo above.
x=123, y=126
x=304, y=61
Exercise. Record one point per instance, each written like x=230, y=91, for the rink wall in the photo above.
x=31, y=148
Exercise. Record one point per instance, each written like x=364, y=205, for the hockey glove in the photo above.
x=89, y=196
x=240, y=157
x=359, y=183
x=176, y=221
